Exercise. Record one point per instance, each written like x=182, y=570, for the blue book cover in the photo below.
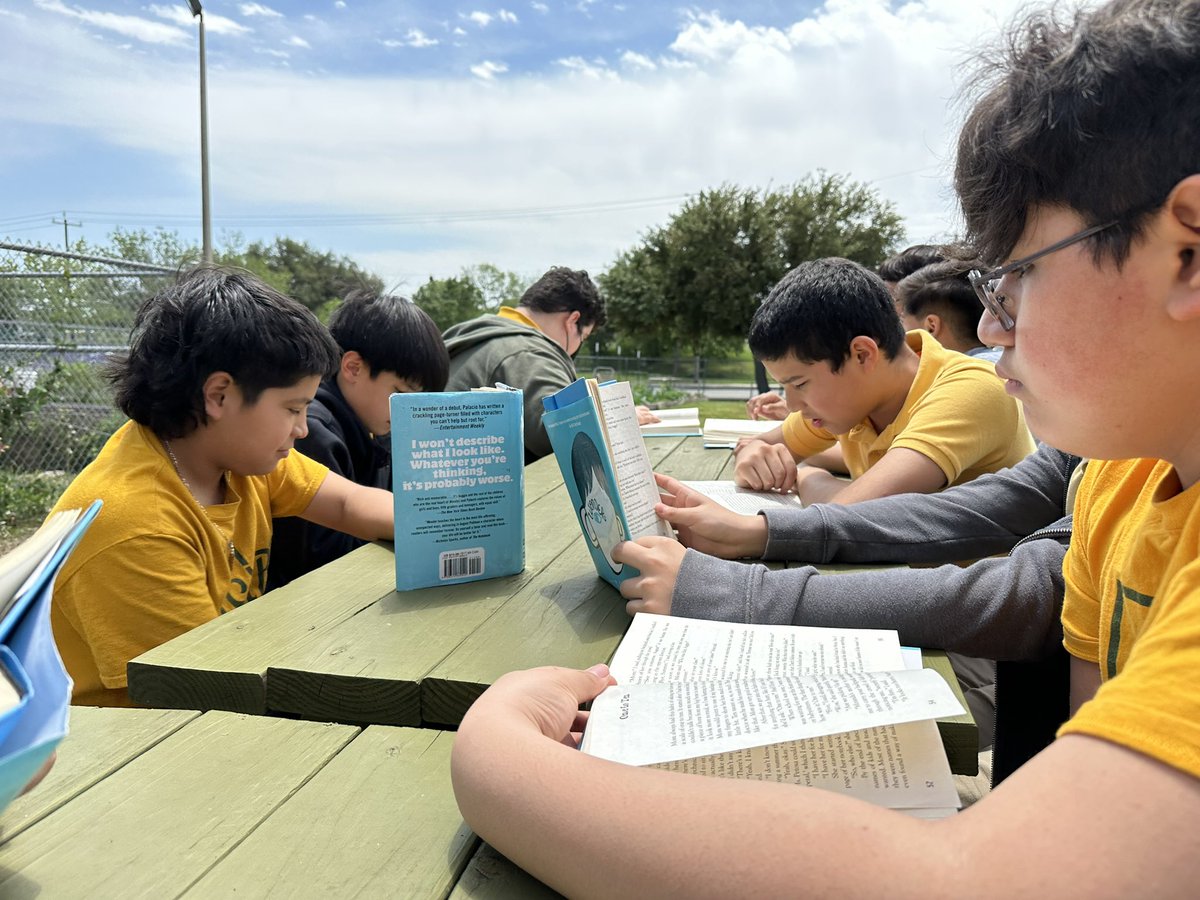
x=594, y=432
x=29, y=658
x=458, y=484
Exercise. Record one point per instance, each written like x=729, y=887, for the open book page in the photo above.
x=674, y=421
x=20, y=567
x=743, y=500
x=727, y=431
x=899, y=766
x=631, y=463
x=643, y=724
x=667, y=648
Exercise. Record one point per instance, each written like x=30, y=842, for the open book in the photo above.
x=743, y=500
x=674, y=422
x=38, y=690
x=726, y=432
x=594, y=431
x=831, y=708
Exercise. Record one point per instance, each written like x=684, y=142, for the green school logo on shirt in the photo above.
x=248, y=579
x=1114, y=634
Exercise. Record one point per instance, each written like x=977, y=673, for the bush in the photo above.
x=26, y=497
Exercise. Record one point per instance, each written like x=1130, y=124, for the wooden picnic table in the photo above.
x=342, y=645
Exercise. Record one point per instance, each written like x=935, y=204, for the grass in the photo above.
x=25, y=498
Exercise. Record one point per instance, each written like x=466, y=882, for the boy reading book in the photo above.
x=907, y=414
x=1078, y=175
x=217, y=379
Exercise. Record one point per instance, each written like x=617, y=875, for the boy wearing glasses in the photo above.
x=907, y=414
x=1077, y=125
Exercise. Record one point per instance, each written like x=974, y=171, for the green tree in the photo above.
x=496, y=286
x=694, y=283
x=317, y=279
x=450, y=300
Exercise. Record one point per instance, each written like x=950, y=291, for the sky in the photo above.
x=420, y=138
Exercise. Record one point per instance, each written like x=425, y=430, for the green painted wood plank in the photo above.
x=566, y=617
x=378, y=821
x=221, y=664
x=490, y=876
x=368, y=669
x=100, y=741
x=164, y=819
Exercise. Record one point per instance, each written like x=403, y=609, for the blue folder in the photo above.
x=31, y=730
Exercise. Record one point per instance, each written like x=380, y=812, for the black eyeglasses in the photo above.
x=986, y=283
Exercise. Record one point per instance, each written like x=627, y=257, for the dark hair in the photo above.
x=1100, y=115
x=819, y=307
x=586, y=464
x=909, y=260
x=566, y=290
x=392, y=334
x=214, y=320
x=943, y=288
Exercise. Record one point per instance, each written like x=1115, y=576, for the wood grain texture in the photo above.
x=379, y=820
x=490, y=876
x=99, y=743
x=222, y=664
x=167, y=817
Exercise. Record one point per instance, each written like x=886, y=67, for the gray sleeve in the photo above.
x=1005, y=608
x=981, y=518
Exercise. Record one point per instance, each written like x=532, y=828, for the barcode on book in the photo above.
x=461, y=563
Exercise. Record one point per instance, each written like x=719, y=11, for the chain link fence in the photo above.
x=61, y=315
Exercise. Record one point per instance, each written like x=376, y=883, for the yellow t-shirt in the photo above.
x=1132, y=606
x=956, y=413
x=153, y=565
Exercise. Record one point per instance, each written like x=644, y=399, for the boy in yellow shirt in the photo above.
x=907, y=414
x=217, y=381
x=1079, y=176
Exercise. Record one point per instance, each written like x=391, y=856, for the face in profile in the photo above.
x=597, y=511
x=600, y=521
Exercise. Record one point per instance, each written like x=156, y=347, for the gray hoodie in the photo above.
x=491, y=348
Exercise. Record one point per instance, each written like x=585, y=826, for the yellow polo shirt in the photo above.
x=956, y=413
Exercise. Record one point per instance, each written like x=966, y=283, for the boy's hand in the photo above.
x=547, y=698
x=658, y=559
x=645, y=415
x=764, y=467
x=707, y=526
x=767, y=406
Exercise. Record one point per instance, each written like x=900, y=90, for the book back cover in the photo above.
x=458, y=483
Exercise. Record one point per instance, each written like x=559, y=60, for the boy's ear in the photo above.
x=864, y=351
x=353, y=366
x=1183, y=206
x=933, y=324
x=216, y=393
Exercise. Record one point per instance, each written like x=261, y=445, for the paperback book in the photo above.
x=683, y=422
x=594, y=432
x=831, y=708
x=458, y=485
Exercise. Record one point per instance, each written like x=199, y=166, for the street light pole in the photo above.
x=205, y=211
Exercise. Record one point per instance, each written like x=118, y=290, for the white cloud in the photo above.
x=539, y=7
x=488, y=70
x=506, y=16
x=145, y=30
x=278, y=54
x=858, y=87
x=339, y=4
x=213, y=24
x=296, y=41
x=631, y=60
x=580, y=66
x=479, y=18
x=418, y=38
x=258, y=9
x=458, y=32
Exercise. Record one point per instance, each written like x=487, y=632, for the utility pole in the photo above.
x=66, y=234
x=205, y=212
